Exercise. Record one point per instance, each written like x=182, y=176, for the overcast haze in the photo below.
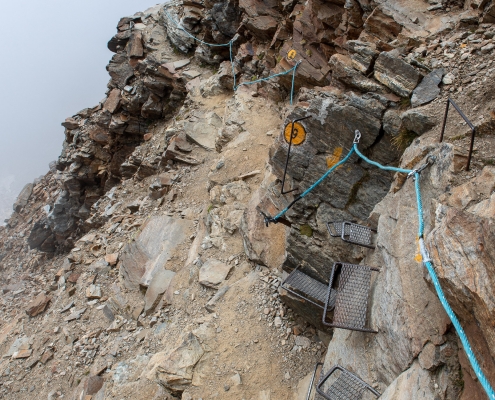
x=54, y=54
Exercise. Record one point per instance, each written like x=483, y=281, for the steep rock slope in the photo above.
x=141, y=266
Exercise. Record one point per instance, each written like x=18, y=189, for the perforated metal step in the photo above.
x=345, y=385
x=352, y=289
x=310, y=289
x=351, y=233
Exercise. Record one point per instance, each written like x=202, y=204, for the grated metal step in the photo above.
x=346, y=386
x=351, y=233
x=352, y=290
x=310, y=289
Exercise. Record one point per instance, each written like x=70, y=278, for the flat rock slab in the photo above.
x=397, y=75
x=191, y=74
x=22, y=354
x=75, y=315
x=204, y=131
x=428, y=89
x=159, y=284
x=213, y=272
x=20, y=344
x=152, y=249
x=37, y=305
x=23, y=197
x=181, y=63
x=93, y=292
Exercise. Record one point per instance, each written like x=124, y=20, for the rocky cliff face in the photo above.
x=141, y=266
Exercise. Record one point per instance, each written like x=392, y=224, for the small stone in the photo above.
x=287, y=376
x=107, y=312
x=94, y=384
x=93, y=292
x=236, y=379
x=67, y=307
x=112, y=259
x=213, y=272
x=448, y=79
x=302, y=341
x=47, y=356
x=191, y=74
x=278, y=322
x=22, y=354
x=488, y=48
x=116, y=324
x=37, y=305
x=435, y=7
x=181, y=63
x=75, y=315
x=73, y=277
x=153, y=322
x=266, y=311
x=226, y=388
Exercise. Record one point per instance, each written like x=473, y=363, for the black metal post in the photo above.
x=445, y=120
x=473, y=128
x=288, y=155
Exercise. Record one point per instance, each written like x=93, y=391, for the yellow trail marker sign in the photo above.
x=291, y=54
x=298, y=135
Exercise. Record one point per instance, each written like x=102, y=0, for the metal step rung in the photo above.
x=346, y=386
x=307, y=288
x=352, y=290
x=351, y=233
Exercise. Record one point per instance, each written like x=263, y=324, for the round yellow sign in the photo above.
x=291, y=54
x=298, y=133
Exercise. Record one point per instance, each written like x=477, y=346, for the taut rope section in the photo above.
x=424, y=253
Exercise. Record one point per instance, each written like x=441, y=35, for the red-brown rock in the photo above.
x=38, y=305
x=113, y=101
x=70, y=123
x=135, y=44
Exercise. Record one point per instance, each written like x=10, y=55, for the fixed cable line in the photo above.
x=415, y=174
x=229, y=44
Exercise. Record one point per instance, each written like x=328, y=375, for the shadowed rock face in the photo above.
x=350, y=192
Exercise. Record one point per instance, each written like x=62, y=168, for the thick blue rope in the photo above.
x=293, y=70
x=424, y=253
x=281, y=213
x=436, y=283
x=229, y=44
x=386, y=168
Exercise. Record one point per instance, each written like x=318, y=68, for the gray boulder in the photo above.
x=417, y=122
x=428, y=89
x=23, y=197
x=397, y=75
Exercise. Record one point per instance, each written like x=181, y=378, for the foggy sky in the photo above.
x=54, y=54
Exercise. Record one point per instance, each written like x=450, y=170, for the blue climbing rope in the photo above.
x=384, y=167
x=314, y=185
x=424, y=253
x=293, y=70
x=436, y=283
x=229, y=44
